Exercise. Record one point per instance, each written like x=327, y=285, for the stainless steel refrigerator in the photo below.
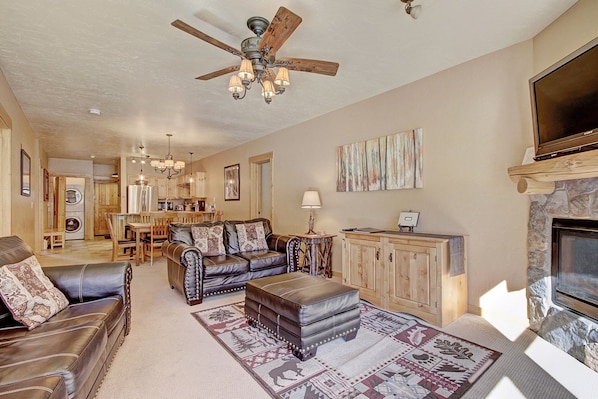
x=142, y=199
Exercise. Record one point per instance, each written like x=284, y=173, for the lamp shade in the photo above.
x=311, y=199
x=246, y=70
x=282, y=77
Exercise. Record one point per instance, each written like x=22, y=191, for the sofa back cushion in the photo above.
x=12, y=250
x=181, y=232
x=29, y=294
x=231, y=237
x=251, y=237
x=209, y=239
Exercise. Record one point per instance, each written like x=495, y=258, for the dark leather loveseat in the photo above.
x=196, y=275
x=68, y=355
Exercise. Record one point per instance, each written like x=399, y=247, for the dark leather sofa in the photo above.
x=69, y=354
x=197, y=276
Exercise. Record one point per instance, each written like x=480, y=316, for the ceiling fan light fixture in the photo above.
x=235, y=85
x=246, y=70
x=258, y=56
x=268, y=89
x=282, y=77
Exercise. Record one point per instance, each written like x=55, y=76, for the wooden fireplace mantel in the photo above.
x=539, y=177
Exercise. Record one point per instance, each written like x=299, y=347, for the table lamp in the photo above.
x=311, y=201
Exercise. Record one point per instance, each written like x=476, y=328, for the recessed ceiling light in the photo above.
x=92, y=156
x=95, y=111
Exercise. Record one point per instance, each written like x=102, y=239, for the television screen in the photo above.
x=565, y=104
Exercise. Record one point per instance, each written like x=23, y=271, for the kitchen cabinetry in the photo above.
x=177, y=187
x=162, y=187
x=409, y=272
x=198, y=186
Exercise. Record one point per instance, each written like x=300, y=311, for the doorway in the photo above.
x=261, y=172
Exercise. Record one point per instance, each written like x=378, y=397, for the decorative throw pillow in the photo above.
x=29, y=294
x=209, y=240
x=251, y=237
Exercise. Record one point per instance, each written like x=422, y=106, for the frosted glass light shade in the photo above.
x=246, y=70
x=235, y=85
x=282, y=77
x=268, y=89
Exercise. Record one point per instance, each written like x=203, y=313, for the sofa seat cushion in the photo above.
x=260, y=260
x=36, y=388
x=224, y=265
x=67, y=351
x=108, y=310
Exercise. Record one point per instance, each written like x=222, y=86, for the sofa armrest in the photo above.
x=287, y=244
x=82, y=283
x=190, y=280
x=183, y=254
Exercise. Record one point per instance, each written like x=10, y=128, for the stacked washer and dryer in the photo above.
x=75, y=208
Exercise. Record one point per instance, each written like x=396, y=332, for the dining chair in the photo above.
x=154, y=239
x=119, y=245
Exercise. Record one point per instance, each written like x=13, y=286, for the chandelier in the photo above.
x=168, y=165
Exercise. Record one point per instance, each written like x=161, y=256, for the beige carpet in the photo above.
x=169, y=355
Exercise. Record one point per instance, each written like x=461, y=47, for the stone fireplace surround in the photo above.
x=570, y=332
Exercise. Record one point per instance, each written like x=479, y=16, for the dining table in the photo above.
x=139, y=229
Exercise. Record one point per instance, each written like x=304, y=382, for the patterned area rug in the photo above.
x=393, y=356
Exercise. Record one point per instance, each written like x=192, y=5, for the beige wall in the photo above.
x=572, y=30
x=24, y=210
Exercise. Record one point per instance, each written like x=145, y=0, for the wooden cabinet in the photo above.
x=363, y=267
x=198, y=186
x=162, y=187
x=177, y=186
x=409, y=272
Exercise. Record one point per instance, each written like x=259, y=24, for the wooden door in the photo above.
x=412, y=278
x=362, y=268
x=105, y=200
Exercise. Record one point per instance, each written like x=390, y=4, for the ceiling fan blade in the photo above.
x=282, y=26
x=305, y=65
x=221, y=72
x=206, y=38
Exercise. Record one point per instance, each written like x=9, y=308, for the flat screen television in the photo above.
x=565, y=104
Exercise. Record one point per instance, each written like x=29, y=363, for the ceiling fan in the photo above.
x=258, y=55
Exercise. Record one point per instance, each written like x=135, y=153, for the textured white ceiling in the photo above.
x=62, y=58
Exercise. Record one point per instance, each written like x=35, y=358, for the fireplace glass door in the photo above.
x=575, y=265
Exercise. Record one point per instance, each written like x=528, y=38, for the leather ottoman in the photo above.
x=303, y=310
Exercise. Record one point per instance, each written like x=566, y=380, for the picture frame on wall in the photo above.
x=231, y=183
x=25, y=174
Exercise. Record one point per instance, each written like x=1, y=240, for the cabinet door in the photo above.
x=172, y=188
x=198, y=187
x=183, y=186
x=412, y=278
x=362, y=267
x=162, y=187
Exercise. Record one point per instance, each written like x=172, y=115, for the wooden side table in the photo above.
x=317, y=254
